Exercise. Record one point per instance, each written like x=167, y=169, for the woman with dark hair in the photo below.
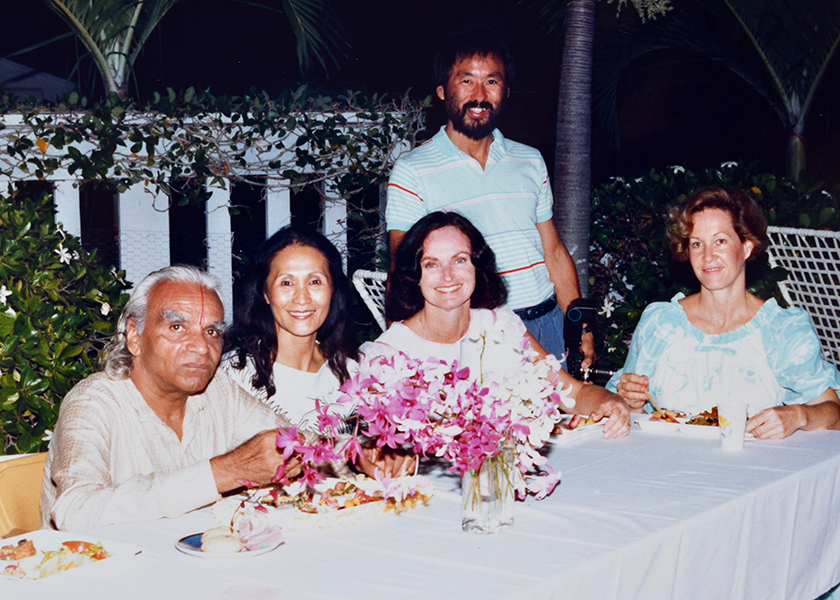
x=690, y=351
x=445, y=299
x=292, y=342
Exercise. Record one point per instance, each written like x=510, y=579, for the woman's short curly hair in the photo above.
x=747, y=218
x=404, y=298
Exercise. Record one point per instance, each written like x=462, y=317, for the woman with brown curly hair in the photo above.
x=688, y=352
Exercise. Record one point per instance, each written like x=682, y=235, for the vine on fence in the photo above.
x=349, y=142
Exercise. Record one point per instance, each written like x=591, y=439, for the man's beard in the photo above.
x=475, y=130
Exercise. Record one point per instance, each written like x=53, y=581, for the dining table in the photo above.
x=652, y=515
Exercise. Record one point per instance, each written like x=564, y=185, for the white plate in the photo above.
x=702, y=431
x=576, y=434
x=191, y=544
x=712, y=433
x=645, y=424
x=46, y=540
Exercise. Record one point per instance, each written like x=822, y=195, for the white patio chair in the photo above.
x=812, y=259
x=371, y=287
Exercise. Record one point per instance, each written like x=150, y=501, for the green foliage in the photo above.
x=631, y=263
x=293, y=141
x=57, y=305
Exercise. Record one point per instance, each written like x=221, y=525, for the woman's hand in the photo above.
x=823, y=412
x=385, y=462
x=618, y=417
x=634, y=389
x=776, y=423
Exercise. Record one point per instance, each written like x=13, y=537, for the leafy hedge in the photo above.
x=57, y=304
x=631, y=264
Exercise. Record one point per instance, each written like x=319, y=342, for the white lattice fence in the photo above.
x=812, y=260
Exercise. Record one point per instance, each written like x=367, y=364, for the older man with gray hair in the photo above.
x=159, y=432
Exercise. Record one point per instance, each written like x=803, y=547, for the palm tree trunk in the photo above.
x=795, y=153
x=572, y=157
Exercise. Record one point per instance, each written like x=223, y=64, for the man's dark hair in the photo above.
x=473, y=40
x=404, y=298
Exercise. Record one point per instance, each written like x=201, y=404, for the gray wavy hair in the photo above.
x=116, y=359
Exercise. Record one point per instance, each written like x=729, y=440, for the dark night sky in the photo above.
x=674, y=109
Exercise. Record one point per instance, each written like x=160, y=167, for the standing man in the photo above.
x=500, y=185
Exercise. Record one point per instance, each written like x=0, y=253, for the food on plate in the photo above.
x=575, y=422
x=70, y=557
x=406, y=493
x=14, y=571
x=221, y=540
x=344, y=494
x=707, y=418
x=24, y=549
x=329, y=504
x=70, y=554
x=669, y=416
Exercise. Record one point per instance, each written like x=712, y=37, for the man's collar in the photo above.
x=447, y=146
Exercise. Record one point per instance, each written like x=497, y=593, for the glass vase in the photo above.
x=487, y=495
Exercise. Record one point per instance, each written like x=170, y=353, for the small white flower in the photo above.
x=4, y=293
x=677, y=169
x=618, y=179
x=105, y=309
x=64, y=255
x=48, y=434
x=638, y=180
x=826, y=193
x=607, y=307
x=728, y=164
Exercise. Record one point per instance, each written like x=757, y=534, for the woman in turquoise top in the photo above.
x=689, y=352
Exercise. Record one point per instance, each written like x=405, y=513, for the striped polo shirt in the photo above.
x=505, y=201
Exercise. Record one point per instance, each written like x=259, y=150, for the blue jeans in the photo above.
x=548, y=329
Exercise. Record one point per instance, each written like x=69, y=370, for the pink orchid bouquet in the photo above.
x=441, y=410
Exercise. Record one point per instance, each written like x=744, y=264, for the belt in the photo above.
x=535, y=312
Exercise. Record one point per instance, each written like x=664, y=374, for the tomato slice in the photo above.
x=77, y=547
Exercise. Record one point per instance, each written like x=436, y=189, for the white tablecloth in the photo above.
x=648, y=516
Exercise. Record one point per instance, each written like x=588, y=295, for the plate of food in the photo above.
x=575, y=427
x=664, y=421
x=45, y=555
x=245, y=541
x=704, y=425
x=329, y=504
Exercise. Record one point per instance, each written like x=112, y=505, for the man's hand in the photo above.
x=256, y=461
x=587, y=349
x=384, y=462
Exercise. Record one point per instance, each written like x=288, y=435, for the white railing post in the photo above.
x=335, y=222
x=220, y=243
x=278, y=209
x=68, y=209
x=144, y=232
